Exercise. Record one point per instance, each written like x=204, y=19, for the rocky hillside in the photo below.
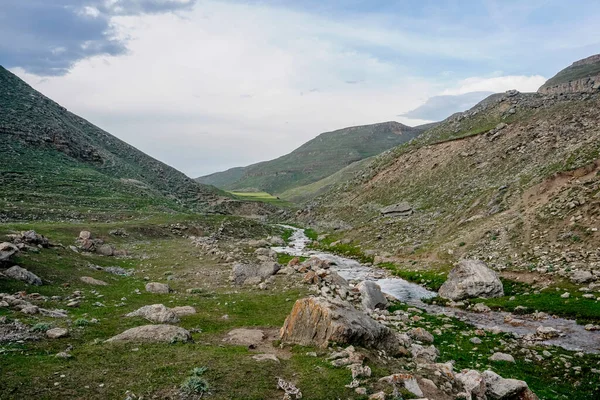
x=581, y=76
x=316, y=159
x=53, y=159
x=514, y=180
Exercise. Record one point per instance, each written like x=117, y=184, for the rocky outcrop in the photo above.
x=153, y=334
x=582, y=76
x=471, y=278
x=317, y=322
x=397, y=210
x=24, y=275
x=371, y=295
x=156, y=313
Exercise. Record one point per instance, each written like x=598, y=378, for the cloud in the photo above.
x=438, y=108
x=47, y=38
x=497, y=84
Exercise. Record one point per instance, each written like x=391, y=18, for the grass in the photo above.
x=262, y=197
x=432, y=279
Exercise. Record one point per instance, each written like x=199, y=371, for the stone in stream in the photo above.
x=156, y=313
x=371, y=296
x=318, y=322
x=153, y=334
x=24, y=275
x=471, y=278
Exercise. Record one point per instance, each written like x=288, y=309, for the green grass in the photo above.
x=262, y=197
x=432, y=279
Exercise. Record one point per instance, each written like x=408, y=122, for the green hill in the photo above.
x=581, y=76
x=53, y=161
x=320, y=157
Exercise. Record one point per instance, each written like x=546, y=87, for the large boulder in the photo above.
x=371, y=296
x=253, y=273
x=315, y=321
x=156, y=287
x=22, y=274
x=153, y=334
x=471, y=278
x=498, y=388
x=156, y=313
x=7, y=250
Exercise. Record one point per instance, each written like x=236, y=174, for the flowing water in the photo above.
x=575, y=336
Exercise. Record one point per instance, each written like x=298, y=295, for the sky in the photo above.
x=206, y=85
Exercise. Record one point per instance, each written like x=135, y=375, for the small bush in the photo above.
x=81, y=322
x=195, y=384
x=40, y=327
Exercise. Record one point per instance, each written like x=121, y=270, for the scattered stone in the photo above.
x=397, y=210
x=408, y=381
x=106, y=250
x=245, y=337
x=156, y=287
x=581, y=277
x=153, y=334
x=291, y=391
x=471, y=278
x=480, y=308
x=546, y=333
x=565, y=295
x=156, y=313
x=502, y=357
x=422, y=354
x=475, y=340
x=421, y=335
x=183, y=311
x=499, y=388
x=253, y=274
x=57, y=333
x=92, y=281
x=24, y=275
x=265, y=357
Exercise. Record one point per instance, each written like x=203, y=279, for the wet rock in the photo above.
x=318, y=322
x=156, y=287
x=24, y=275
x=153, y=334
x=156, y=313
x=371, y=296
x=471, y=278
x=57, y=333
x=7, y=250
x=92, y=281
x=502, y=357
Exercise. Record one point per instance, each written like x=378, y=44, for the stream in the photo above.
x=575, y=337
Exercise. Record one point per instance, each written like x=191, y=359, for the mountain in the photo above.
x=318, y=158
x=53, y=159
x=515, y=180
x=581, y=76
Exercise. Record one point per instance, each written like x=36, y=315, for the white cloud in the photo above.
x=497, y=84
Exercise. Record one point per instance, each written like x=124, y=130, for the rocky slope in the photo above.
x=581, y=76
x=316, y=159
x=513, y=180
x=52, y=158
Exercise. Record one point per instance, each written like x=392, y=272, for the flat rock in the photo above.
x=502, y=357
x=156, y=313
x=24, y=275
x=245, y=337
x=371, y=296
x=470, y=279
x=92, y=281
x=182, y=311
x=400, y=209
x=316, y=321
x=57, y=333
x=156, y=287
x=265, y=357
x=153, y=334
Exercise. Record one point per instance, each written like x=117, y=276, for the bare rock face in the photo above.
x=153, y=334
x=24, y=275
x=371, y=295
x=317, y=321
x=7, y=250
x=156, y=313
x=471, y=278
x=156, y=287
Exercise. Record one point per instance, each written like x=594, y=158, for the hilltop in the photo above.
x=317, y=159
x=54, y=160
x=581, y=76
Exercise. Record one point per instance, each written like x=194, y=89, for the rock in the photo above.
x=423, y=354
x=240, y=273
x=183, y=311
x=472, y=383
x=85, y=235
x=57, y=333
x=546, y=333
x=106, y=250
x=397, y=210
x=156, y=287
x=371, y=296
x=245, y=337
x=267, y=253
x=377, y=396
x=153, y=334
x=7, y=250
x=565, y=295
x=92, y=281
x=498, y=388
x=24, y=275
x=475, y=340
x=408, y=381
x=471, y=278
x=265, y=357
x=359, y=370
x=156, y=313
x=581, y=277
x=502, y=357
x=421, y=335
x=317, y=322
x=63, y=354
x=480, y=308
